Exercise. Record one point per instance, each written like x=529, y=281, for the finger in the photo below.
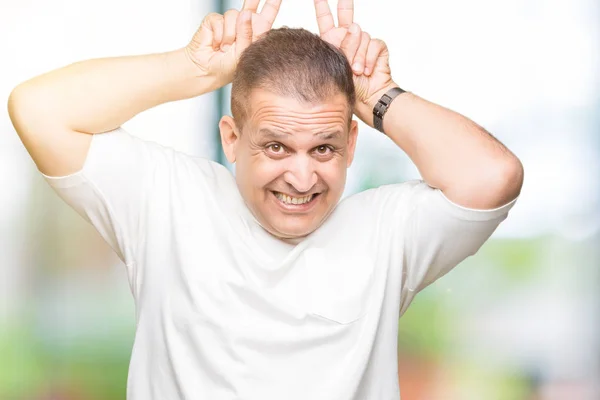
x=270, y=10
x=251, y=5
x=376, y=47
x=244, y=31
x=207, y=36
x=345, y=13
x=324, y=16
x=351, y=42
x=230, y=28
x=213, y=29
x=358, y=66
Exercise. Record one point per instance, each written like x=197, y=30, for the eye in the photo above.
x=323, y=150
x=275, y=149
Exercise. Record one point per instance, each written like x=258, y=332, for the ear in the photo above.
x=352, y=137
x=230, y=136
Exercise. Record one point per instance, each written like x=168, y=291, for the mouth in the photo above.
x=290, y=203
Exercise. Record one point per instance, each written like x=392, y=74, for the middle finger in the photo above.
x=351, y=42
x=358, y=65
x=324, y=16
x=345, y=13
x=251, y=5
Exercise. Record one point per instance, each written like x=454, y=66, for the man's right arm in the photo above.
x=56, y=113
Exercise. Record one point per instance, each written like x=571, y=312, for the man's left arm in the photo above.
x=452, y=153
x=425, y=234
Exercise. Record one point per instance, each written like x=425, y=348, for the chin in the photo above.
x=292, y=233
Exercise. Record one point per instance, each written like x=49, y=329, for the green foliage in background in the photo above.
x=34, y=368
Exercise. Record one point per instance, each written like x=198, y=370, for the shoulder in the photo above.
x=373, y=206
x=396, y=195
x=179, y=168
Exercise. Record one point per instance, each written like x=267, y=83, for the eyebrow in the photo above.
x=277, y=135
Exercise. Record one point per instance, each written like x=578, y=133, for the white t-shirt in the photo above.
x=225, y=311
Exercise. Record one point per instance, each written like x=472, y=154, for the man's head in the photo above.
x=292, y=132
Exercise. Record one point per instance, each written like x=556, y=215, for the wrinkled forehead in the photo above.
x=269, y=111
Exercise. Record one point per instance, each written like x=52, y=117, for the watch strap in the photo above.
x=383, y=105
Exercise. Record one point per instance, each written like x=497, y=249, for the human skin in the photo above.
x=56, y=113
x=452, y=153
x=292, y=148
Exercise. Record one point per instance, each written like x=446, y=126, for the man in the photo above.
x=265, y=286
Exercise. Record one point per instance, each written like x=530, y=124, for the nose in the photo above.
x=301, y=173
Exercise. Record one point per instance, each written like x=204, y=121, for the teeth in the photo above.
x=293, y=200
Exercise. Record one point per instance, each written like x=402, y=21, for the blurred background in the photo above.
x=519, y=320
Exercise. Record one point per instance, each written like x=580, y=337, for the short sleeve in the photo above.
x=109, y=188
x=431, y=234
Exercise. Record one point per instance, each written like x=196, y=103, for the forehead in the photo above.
x=267, y=109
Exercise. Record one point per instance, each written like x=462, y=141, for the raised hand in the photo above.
x=327, y=29
x=219, y=42
x=368, y=57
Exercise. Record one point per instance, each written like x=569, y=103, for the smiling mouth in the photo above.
x=295, y=201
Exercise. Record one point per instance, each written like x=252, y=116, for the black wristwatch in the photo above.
x=382, y=106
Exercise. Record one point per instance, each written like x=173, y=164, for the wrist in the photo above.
x=364, y=108
x=186, y=76
x=374, y=98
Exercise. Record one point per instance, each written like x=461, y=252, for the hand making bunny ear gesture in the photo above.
x=221, y=39
x=368, y=57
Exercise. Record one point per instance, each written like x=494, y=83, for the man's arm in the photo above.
x=55, y=114
x=50, y=112
x=451, y=152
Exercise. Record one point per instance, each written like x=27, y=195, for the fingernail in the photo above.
x=353, y=28
x=357, y=67
x=246, y=15
x=367, y=71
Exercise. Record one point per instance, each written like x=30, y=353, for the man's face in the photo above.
x=291, y=160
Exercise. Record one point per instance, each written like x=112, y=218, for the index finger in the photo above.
x=345, y=13
x=270, y=10
x=251, y=5
x=324, y=16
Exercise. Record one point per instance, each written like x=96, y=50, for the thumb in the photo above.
x=243, y=36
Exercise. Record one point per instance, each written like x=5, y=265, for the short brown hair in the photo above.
x=291, y=62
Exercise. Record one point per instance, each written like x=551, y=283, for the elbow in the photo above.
x=25, y=107
x=488, y=186
x=15, y=100
x=509, y=180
